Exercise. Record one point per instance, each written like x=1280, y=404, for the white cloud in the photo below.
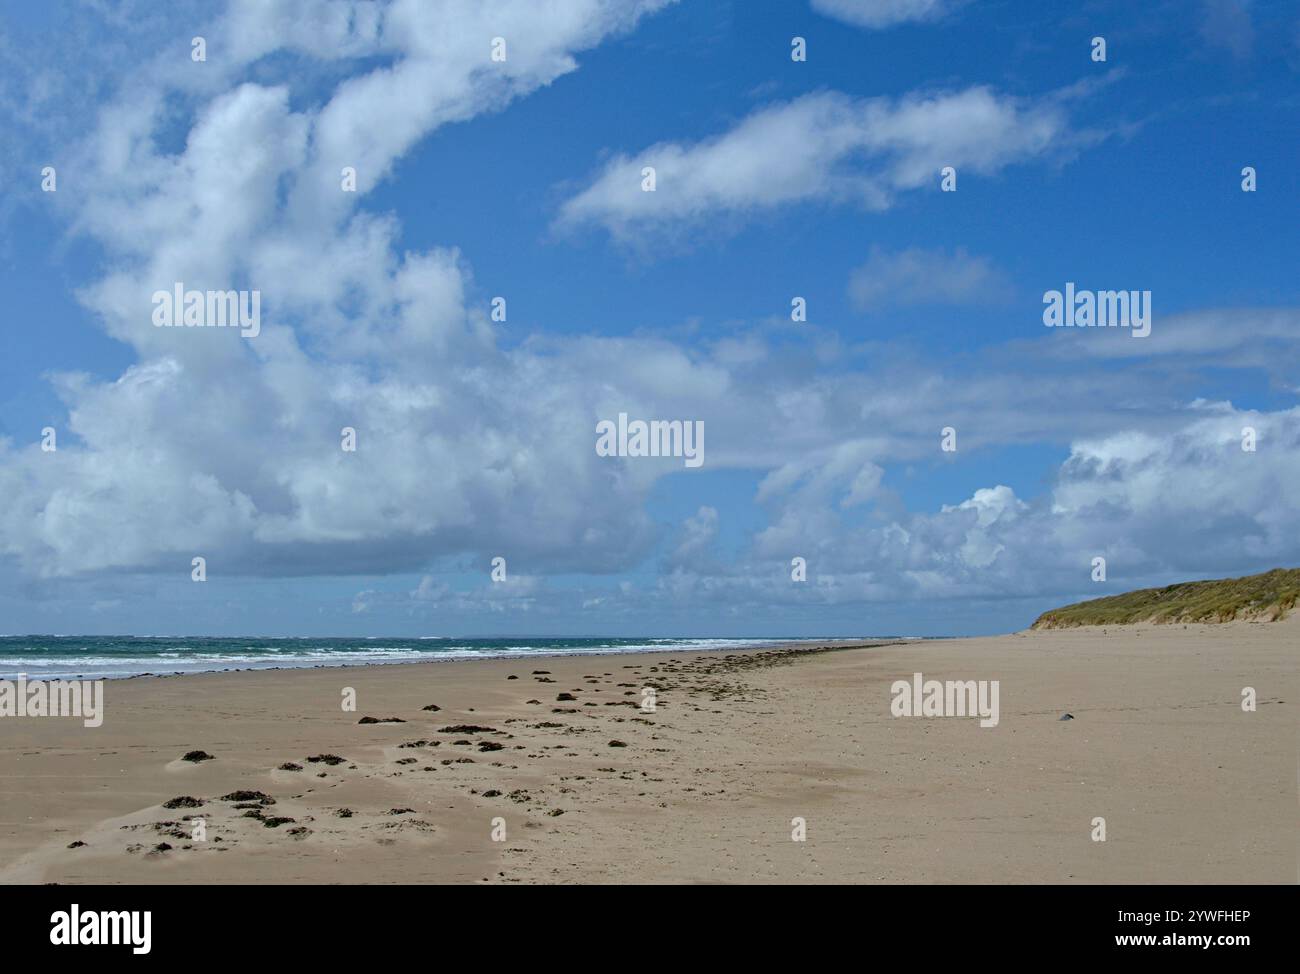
x=919, y=276
x=230, y=448
x=698, y=532
x=991, y=506
x=1241, y=337
x=878, y=14
x=1187, y=503
x=214, y=446
x=824, y=147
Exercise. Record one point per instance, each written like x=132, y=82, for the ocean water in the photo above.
x=55, y=657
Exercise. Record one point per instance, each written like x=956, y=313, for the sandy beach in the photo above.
x=510, y=782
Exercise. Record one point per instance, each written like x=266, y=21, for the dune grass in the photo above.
x=1267, y=596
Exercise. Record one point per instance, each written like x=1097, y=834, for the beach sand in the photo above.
x=1192, y=788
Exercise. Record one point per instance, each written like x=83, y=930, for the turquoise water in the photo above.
x=117, y=656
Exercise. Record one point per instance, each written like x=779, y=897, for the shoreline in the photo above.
x=590, y=788
x=852, y=643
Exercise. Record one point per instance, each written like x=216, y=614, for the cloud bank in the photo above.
x=209, y=444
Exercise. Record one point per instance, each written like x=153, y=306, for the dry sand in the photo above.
x=1193, y=789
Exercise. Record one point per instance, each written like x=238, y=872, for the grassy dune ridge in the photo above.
x=1268, y=596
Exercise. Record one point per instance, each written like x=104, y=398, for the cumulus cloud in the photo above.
x=231, y=448
x=1189, y=502
x=823, y=148
x=216, y=446
x=919, y=276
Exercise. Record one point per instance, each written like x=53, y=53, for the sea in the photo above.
x=107, y=657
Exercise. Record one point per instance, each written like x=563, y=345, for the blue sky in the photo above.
x=777, y=178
